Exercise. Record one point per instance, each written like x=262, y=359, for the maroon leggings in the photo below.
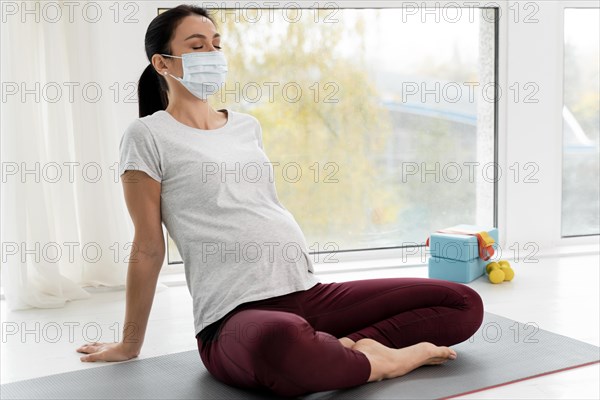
x=288, y=345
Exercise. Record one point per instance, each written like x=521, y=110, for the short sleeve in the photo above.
x=259, y=135
x=138, y=151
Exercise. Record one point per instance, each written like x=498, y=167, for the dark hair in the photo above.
x=152, y=87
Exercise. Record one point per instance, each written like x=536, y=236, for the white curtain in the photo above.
x=56, y=218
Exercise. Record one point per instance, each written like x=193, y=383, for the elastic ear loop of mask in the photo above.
x=168, y=55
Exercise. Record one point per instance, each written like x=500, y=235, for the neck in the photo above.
x=196, y=113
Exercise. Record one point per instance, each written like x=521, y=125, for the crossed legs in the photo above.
x=339, y=335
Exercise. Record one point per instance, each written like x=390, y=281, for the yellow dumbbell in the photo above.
x=499, y=272
x=490, y=266
x=495, y=273
x=509, y=273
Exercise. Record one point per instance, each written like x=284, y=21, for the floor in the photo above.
x=559, y=294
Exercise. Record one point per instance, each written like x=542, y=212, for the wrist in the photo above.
x=131, y=349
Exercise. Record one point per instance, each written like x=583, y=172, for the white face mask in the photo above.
x=203, y=72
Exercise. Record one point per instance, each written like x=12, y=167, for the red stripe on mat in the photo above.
x=522, y=379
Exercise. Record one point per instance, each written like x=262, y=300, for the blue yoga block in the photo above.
x=454, y=246
x=455, y=270
x=455, y=257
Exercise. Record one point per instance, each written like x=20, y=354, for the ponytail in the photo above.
x=152, y=87
x=152, y=96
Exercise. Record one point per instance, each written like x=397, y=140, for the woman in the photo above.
x=263, y=320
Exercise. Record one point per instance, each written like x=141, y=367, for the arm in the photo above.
x=142, y=195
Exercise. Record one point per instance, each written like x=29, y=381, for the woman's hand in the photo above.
x=99, y=351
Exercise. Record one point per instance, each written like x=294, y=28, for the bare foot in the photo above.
x=347, y=342
x=387, y=363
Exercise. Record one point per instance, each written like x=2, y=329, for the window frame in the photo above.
x=518, y=128
x=565, y=6
x=520, y=225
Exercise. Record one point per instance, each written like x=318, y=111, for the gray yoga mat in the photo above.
x=502, y=351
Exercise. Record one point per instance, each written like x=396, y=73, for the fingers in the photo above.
x=102, y=352
x=92, y=357
x=94, y=350
x=89, y=347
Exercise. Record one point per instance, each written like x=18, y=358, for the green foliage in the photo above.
x=336, y=120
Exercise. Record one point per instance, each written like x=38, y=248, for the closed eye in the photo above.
x=196, y=48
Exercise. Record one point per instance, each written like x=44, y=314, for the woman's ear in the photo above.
x=159, y=64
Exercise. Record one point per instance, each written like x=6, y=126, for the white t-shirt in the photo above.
x=219, y=204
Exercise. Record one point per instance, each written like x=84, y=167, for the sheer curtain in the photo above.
x=64, y=221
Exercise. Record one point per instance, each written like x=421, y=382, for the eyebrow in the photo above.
x=199, y=35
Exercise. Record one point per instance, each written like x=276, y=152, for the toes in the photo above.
x=442, y=353
x=451, y=354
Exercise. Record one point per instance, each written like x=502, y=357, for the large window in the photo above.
x=382, y=121
x=581, y=123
